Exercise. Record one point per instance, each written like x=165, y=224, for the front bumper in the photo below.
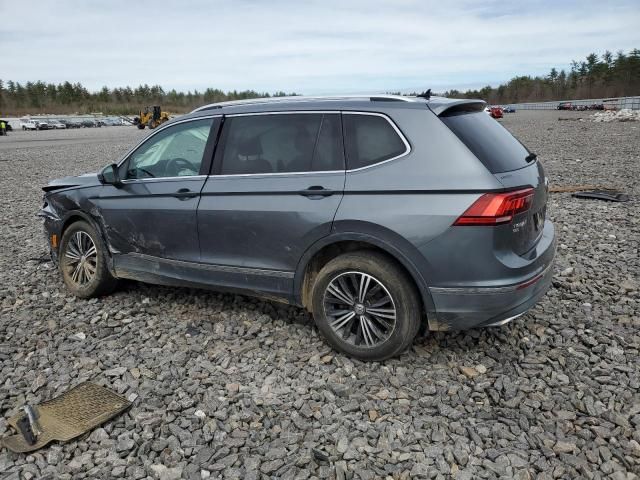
x=52, y=226
x=463, y=308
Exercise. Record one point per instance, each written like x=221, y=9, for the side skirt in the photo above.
x=276, y=285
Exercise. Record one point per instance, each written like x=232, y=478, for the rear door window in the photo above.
x=494, y=146
x=370, y=139
x=282, y=143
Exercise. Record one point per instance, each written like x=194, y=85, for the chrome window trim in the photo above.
x=407, y=145
x=285, y=112
x=271, y=174
x=148, y=137
x=348, y=112
x=163, y=179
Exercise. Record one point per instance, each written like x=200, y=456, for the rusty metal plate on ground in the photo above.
x=71, y=414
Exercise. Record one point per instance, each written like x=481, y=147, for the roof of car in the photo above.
x=336, y=102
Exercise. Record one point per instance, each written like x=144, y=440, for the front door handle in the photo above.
x=184, y=194
x=316, y=191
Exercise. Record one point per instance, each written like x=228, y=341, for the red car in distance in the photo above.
x=495, y=112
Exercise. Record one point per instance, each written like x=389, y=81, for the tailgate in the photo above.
x=525, y=230
x=512, y=164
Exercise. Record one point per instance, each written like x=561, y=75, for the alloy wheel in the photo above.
x=360, y=309
x=81, y=258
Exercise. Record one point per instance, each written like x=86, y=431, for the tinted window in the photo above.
x=282, y=143
x=370, y=139
x=175, y=151
x=329, y=152
x=494, y=146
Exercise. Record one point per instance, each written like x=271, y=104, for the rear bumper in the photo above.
x=459, y=308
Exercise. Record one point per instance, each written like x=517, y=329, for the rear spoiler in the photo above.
x=451, y=106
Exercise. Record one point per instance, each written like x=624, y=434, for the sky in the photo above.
x=308, y=47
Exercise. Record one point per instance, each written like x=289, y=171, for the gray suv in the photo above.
x=377, y=214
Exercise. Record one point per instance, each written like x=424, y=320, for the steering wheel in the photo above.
x=174, y=165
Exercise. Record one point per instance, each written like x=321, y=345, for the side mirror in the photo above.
x=110, y=176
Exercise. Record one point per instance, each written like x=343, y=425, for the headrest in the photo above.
x=250, y=147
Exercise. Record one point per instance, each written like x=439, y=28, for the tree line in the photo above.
x=602, y=76
x=40, y=97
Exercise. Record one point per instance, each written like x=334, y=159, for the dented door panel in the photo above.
x=154, y=218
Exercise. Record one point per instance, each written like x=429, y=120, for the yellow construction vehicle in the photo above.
x=151, y=117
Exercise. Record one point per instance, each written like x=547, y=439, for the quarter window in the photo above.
x=370, y=139
x=282, y=143
x=174, y=152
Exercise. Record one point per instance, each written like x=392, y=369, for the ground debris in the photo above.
x=564, y=375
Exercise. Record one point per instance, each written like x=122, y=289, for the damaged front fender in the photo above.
x=61, y=209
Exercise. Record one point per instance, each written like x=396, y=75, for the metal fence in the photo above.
x=617, y=103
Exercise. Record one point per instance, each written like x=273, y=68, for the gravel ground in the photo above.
x=230, y=387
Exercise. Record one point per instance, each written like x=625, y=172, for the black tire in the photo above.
x=393, y=280
x=141, y=126
x=101, y=282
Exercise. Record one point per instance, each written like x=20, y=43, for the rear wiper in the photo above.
x=530, y=158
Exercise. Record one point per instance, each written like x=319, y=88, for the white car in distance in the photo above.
x=56, y=124
x=28, y=124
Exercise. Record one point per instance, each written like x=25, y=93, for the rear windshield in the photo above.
x=494, y=146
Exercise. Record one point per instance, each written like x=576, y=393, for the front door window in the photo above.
x=176, y=151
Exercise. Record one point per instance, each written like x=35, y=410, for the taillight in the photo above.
x=497, y=208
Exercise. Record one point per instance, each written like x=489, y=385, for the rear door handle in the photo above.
x=184, y=194
x=316, y=191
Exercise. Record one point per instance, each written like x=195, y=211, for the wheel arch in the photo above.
x=74, y=216
x=330, y=247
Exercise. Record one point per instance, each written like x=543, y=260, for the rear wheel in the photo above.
x=83, y=262
x=141, y=126
x=365, y=305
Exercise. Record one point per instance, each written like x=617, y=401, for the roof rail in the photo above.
x=300, y=98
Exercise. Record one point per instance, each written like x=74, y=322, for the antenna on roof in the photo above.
x=426, y=95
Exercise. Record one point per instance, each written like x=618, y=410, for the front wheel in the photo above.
x=83, y=262
x=365, y=305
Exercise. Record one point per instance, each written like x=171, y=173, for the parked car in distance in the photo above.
x=42, y=125
x=508, y=109
x=565, y=106
x=28, y=124
x=495, y=112
x=70, y=123
x=88, y=123
x=342, y=206
x=56, y=124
